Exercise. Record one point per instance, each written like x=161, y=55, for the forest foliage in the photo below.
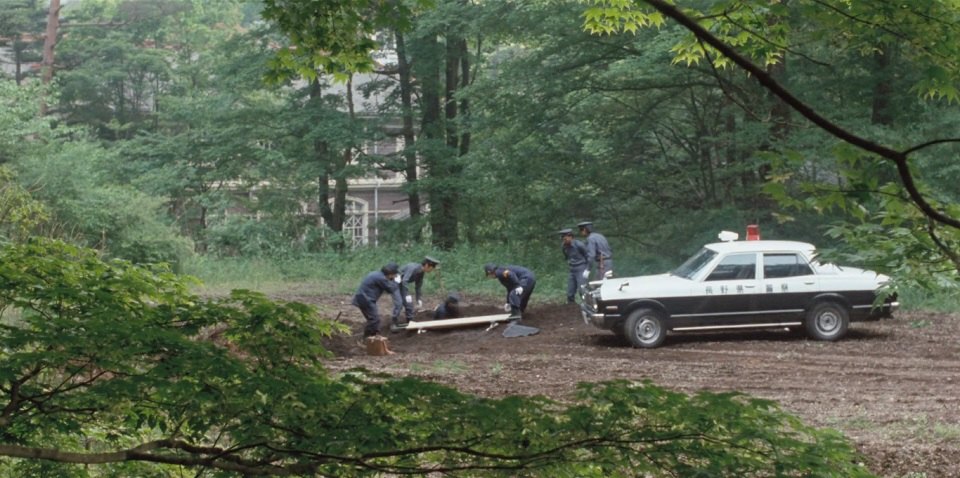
x=518, y=121
x=182, y=129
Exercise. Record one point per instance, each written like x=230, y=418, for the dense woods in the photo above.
x=515, y=120
x=170, y=129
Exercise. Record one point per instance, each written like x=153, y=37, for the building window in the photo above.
x=355, y=222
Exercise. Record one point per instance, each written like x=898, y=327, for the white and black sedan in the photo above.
x=751, y=284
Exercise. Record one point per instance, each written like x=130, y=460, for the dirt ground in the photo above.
x=892, y=386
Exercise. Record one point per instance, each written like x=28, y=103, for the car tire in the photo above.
x=645, y=328
x=827, y=321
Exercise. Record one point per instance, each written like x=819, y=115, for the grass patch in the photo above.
x=441, y=367
x=922, y=429
x=919, y=428
x=461, y=270
x=941, y=300
x=859, y=422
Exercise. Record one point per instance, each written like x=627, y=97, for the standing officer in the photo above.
x=519, y=282
x=413, y=273
x=598, y=250
x=576, y=253
x=370, y=290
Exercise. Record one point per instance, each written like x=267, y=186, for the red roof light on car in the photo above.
x=753, y=232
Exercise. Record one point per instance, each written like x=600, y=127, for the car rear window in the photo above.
x=784, y=265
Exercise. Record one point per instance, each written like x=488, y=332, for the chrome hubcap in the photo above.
x=828, y=321
x=647, y=330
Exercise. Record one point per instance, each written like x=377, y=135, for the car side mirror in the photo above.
x=622, y=285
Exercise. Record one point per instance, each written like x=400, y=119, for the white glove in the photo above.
x=397, y=279
x=506, y=307
x=586, y=274
x=518, y=291
x=409, y=299
x=419, y=304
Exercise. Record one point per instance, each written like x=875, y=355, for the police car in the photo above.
x=729, y=285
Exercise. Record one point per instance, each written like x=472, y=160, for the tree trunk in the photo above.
x=464, y=104
x=432, y=134
x=18, y=48
x=340, y=164
x=779, y=110
x=321, y=149
x=409, y=152
x=202, y=245
x=444, y=199
x=881, y=113
x=452, y=76
x=50, y=41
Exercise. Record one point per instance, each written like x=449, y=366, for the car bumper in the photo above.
x=597, y=319
x=885, y=311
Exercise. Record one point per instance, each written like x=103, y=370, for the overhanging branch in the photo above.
x=899, y=158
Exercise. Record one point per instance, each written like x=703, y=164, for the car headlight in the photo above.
x=590, y=298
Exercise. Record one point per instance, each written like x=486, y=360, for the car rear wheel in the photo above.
x=827, y=321
x=644, y=328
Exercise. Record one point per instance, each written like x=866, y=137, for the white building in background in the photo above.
x=378, y=196
x=6, y=61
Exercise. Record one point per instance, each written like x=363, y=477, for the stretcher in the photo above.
x=489, y=320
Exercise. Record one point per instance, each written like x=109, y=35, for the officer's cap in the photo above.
x=565, y=232
x=390, y=268
x=431, y=261
x=585, y=224
x=489, y=268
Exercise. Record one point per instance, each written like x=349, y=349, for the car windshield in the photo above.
x=696, y=262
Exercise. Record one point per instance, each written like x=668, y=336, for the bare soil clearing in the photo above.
x=890, y=386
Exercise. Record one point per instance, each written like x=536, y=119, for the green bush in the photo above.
x=118, y=220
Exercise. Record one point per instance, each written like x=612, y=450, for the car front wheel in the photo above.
x=827, y=321
x=644, y=328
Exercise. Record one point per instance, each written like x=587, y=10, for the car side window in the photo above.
x=785, y=265
x=734, y=267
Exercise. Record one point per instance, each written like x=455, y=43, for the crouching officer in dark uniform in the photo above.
x=413, y=273
x=449, y=309
x=519, y=282
x=576, y=253
x=371, y=288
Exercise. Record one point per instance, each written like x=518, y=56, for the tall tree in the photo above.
x=21, y=26
x=917, y=25
x=405, y=84
x=436, y=56
x=50, y=39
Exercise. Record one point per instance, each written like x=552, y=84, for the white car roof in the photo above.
x=762, y=246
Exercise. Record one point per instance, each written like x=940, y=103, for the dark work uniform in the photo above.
x=576, y=254
x=598, y=250
x=371, y=288
x=515, y=276
x=449, y=309
x=411, y=273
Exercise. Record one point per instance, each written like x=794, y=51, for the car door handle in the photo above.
x=749, y=286
x=809, y=283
